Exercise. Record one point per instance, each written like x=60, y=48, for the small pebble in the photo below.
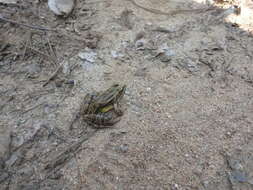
x=9, y=1
x=175, y=187
x=61, y=7
x=88, y=55
x=123, y=148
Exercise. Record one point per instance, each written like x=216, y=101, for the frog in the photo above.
x=103, y=109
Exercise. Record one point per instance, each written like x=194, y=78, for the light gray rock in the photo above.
x=8, y=1
x=61, y=7
x=88, y=55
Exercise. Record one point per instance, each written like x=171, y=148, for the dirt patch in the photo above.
x=188, y=98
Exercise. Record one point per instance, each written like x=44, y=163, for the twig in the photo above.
x=52, y=131
x=32, y=108
x=163, y=30
x=53, y=75
x=95, y=2
x=26, y=25
x=172, y=12
x=51, y=53
x=73, y=66
x=38, y=94
x=23, y=56
x=41, y=53
x=26, y=42
x=51, y=49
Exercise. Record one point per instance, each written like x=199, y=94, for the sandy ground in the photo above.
x=188, y=118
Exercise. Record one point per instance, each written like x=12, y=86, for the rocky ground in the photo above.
x=188, y=118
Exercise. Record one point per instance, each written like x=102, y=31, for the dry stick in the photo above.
x=51, y=49
x=50, y=52
x=23, y=56
x=25, y=25
x=41, y=53
x=172, y=12
x=53, y=75
x=26, y=43
x=49, y=58
x=32, y=108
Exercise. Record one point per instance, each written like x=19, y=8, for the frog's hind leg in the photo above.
x=101, y=120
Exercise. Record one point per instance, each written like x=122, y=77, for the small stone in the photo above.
x=170, y=166
x=139, y=44
x=70, y=82
x=246, y=11
x=88, y=55
x=61, y=7
x=123, y=148
x=49, y=108
x=66, y=68
x=205, y=183
x=58, y=83
x=165, y=53
x=33, y=68
x=9, y=1
x=210, y=2
x=175, y=187
x=238, y=176
x=116, y=54
x=235, y=164
x=198, y=171
x=139, y=36
x=27, y=171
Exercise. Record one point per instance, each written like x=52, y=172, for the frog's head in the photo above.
x=119, y=88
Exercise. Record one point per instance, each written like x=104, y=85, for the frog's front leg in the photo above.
x=118, y=108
